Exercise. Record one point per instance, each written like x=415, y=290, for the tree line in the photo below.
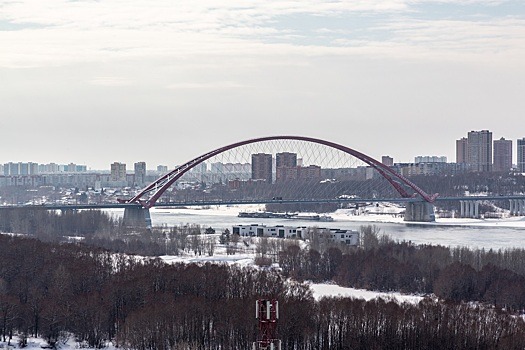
x=55, y=225
x=100, y=229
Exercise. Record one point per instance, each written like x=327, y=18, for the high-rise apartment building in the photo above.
x=11, y=169
x=71, y=168
x=140, y=173
x=502, y=155
x=20, y=169
x=387, y=160
x=162, y=169
x=521, y=155
x=462, y=151
x=285, y=159
x=118, y=172
x=480, y=150
x=286, y=167
x=262, y=167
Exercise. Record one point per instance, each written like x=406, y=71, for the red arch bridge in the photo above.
x=287, y=173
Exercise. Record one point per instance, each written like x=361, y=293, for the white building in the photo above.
x=347, y=237
x=279, y=231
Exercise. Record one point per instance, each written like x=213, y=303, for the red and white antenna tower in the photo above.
x=267, y=312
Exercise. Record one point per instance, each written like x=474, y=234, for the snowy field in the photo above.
x=321, y=290
x=220, y=258
x=35, y=343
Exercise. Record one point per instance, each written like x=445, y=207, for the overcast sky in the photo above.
x=93, y=82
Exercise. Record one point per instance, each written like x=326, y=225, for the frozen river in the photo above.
x=488, y=234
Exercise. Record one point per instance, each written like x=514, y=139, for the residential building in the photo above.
x=278, y=231
x=11, y=169
x=20, y=168
x=308, y=173
x=521, y=155
x=345, y=174
x=286, y=167
x=286, y=174
x=480, y=150
x=439, y=168
x=140, y=173
x=462, y=151
x=118, y=172
x=347, y=237
x=53, y=168
x=163, y=169
x=285, y=159
x=430, y=159
x=502, y=155
x=262, y=167
x=387, y=160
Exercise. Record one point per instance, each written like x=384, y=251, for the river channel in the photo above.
x=487, y=234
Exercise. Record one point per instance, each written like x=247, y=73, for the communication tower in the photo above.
x=267, y=312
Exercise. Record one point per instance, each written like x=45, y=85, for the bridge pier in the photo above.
x=517, y=207
x=469, y=209
x=137, y=217
x=419, y=212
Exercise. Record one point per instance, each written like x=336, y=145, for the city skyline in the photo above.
x=94, y=82
x=500, y=155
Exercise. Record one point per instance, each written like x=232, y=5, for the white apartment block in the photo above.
x=347, y=237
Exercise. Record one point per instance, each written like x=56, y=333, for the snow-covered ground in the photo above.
x=321, y=290
x=36, y=343
x=239, y=259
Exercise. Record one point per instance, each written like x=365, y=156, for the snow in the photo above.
x=238, y=259
x=36, y=343
x=321, y=290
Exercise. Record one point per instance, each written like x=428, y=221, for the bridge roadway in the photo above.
x=260, y=201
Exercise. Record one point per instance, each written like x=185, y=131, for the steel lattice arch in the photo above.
x=320, y=160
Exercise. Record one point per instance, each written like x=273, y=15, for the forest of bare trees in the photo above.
x=55, y=226
x=455, y=274
x=89, y=291
x=57, y=291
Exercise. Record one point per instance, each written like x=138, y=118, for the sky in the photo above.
x=94, y=82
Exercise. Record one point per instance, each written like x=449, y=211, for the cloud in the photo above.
x=207, y=85
x=60, y=32
x=111, y=81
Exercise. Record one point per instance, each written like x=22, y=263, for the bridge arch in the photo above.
x=159, y=186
